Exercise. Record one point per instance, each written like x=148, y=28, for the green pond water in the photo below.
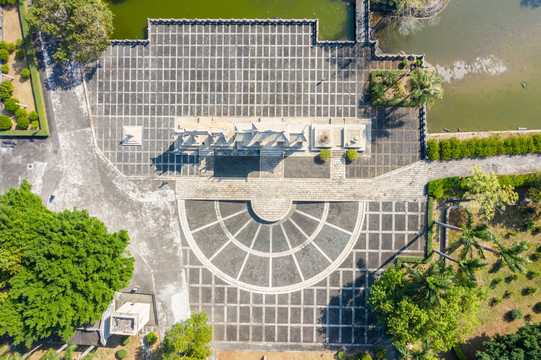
x=496, y=33
x=336, y=16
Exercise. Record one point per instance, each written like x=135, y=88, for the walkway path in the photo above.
x=404, y=184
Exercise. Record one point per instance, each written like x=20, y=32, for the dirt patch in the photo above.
x=115, y=343
x=249, y=355
x=22, y=88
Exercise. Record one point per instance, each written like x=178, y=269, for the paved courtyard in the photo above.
x=299, y=283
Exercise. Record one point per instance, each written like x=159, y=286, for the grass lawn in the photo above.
x=510, y=226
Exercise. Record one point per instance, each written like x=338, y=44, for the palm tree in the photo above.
x=425, y=87
x=468, y=268
x=433, y=284
x=511, y=255
x=468, y=240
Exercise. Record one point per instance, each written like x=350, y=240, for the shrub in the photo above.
x=5, y=122
x=517, y=314
x=4, y=55
x=495, y=301
x=366, y=357
x=532, y=274
x=495, y=282
x=33, y=115
x=121, y=354
x=11, y=104
x=151, y=338
x=511, y=278
x=535, y=257
x=507, y=294
x=352, y=154
x=433, y=150
x=20, y=54
x=530, y=290
x=34, y=124
x=537, y=307
x=405, y=63
x=23, y=122
x=6, y=89
x=380, y=351
x=4, y=68
x=325, y=155
x=10, y=47
x=21, y=113
x=25, y=73
x=126, y=341
x=19, y=42
x=8, y=2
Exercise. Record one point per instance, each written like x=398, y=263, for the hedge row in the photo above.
x=34, y=75
x=378, y=102
x=454, y=148
x=440, y=187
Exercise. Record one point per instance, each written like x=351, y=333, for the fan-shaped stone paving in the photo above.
x=271, y=256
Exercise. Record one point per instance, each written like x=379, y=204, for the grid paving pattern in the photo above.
x=227, y=69
x=331, y=312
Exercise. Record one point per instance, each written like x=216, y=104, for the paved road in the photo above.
x=407, y=183
x=67, y=165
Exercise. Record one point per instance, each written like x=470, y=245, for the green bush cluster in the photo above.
x=377, y=89
x=25, y=73
x=532, y=274
x=454, y=148
x=6, y=89
x=517, y=314
x=23, y=123
x=5, y=122
x=8, y=2
x=33, y=115
x=126, y=341
x=7, y=46
x=352, y=154
x=21, y=113
x=19, y=42
x=530, y=290
x=11, y=105
x=507, y=294
x=440, y=187
x=20, y=54
x=495, y=301
x=34, y=124
x=4, y=55
x=537, y=307
x=152, y=338
x=122, y=354
x=4, y=68
x=325, y=155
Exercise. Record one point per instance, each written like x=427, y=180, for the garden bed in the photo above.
x=390, y=88
x=27, y=91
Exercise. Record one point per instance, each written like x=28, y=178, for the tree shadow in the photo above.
x=387, y=120
x=534, y=4
x=346, y=322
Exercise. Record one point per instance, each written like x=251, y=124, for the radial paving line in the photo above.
x=207, y=263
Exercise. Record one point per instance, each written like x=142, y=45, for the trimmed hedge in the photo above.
x=378, y=102
x=34, y=76
x=25, y=73
x=4, y=68
x=453, y=148
x=6, y=89
x=352, y=155
x=325, y=155
x=122, y=354
x=440, y=187
x=152, y=338
x=23, y=122
x=11, y=105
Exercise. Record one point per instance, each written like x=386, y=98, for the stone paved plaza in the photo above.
x=299, y=283
x=239, y=69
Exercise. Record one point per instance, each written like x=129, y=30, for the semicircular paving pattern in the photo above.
x=271, y=257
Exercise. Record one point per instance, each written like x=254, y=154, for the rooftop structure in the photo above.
x=130, y=318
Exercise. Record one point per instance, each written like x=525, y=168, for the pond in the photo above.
x=336, y=16
x=486, y=49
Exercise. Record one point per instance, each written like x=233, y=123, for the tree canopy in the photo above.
x=425, y=87
x=488, y=193
x=525, y=344
x=189, y=340
x=424, y=307
x=57, y=270
x=80, y=29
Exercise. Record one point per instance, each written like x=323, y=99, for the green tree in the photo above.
x=189, y=340
x=469, y=241
x=432, y=284
x=525, y=344
x=425, y=87
x=488, y=193
x=64, y=270
x=81, y=29
x=411, y=318
x=511, y=256
x=468, y=268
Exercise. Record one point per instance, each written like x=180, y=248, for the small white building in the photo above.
x=130, y=318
